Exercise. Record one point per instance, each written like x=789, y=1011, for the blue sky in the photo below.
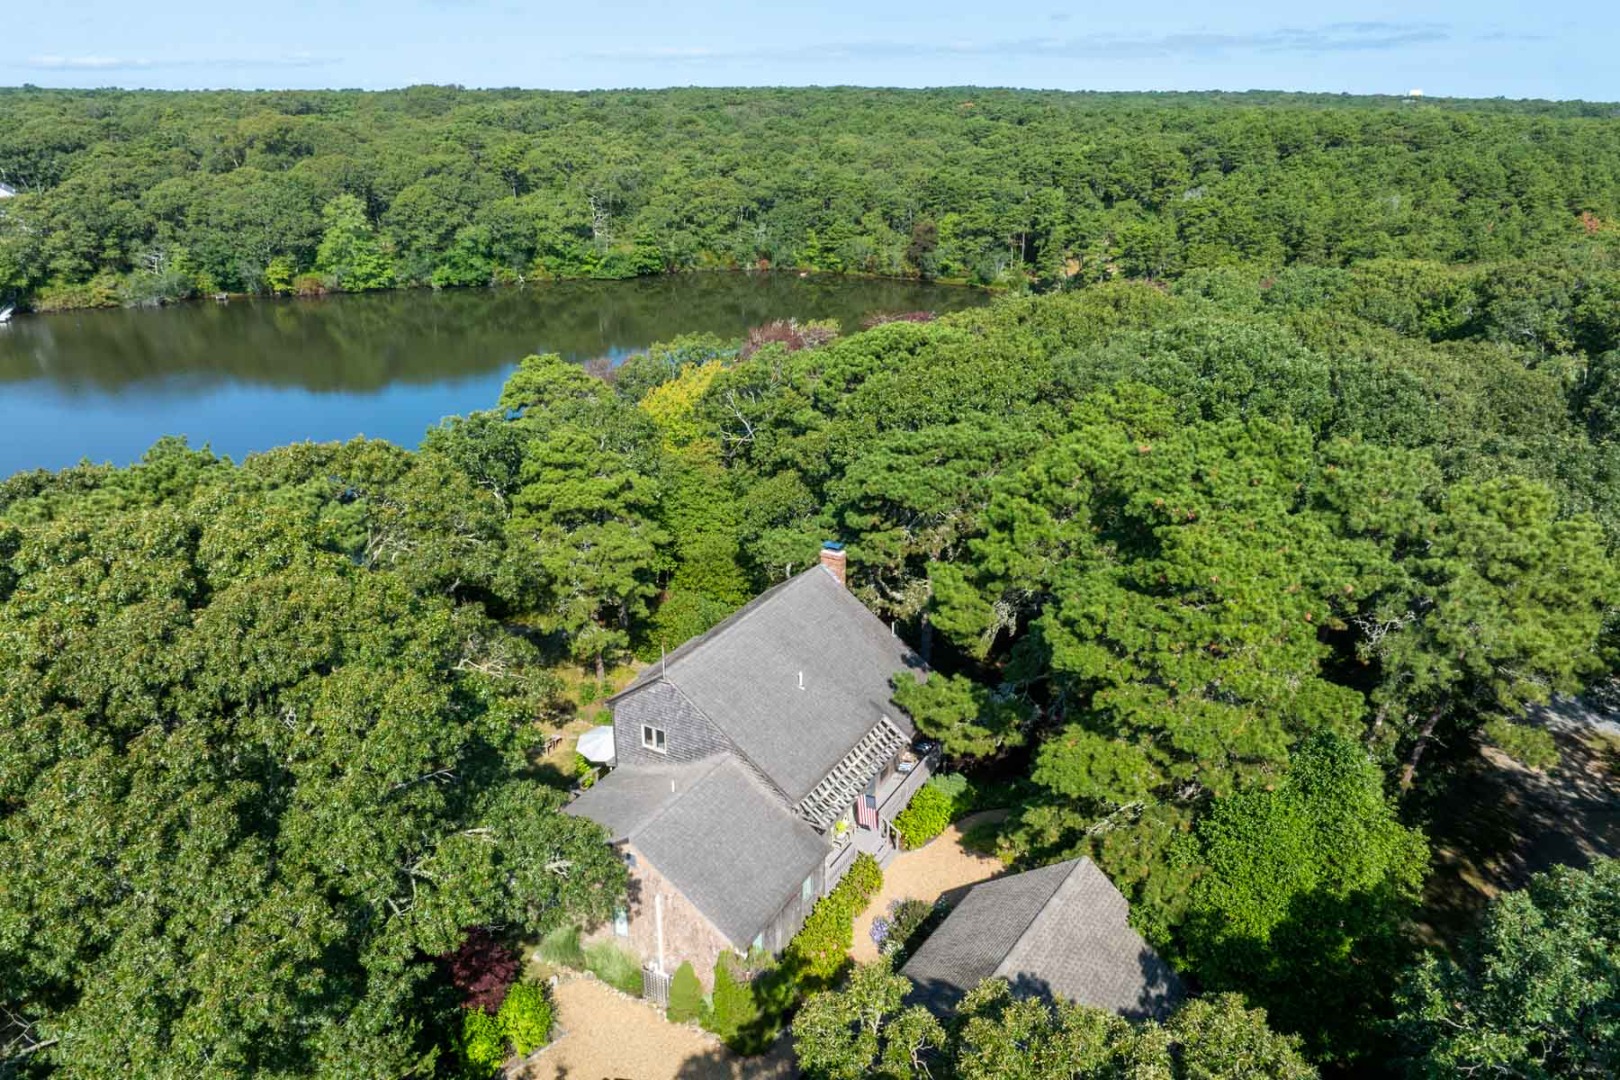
x=1485, y=48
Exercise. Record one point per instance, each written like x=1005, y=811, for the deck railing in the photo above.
x=839, y=862
x=895, y=800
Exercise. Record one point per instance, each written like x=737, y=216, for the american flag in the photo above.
x=866, y=812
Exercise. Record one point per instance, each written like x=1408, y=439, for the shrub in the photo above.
x=525, y=1018
x=101, y=291
x=820, y=949
x=908, y=923
x=615, y=966
x=925, y=816
x=482, y=1046
x=863, y=881
x=584, y=771
x=685, y=996
x=561, y=947
x=482, y=969
x=736, y=1010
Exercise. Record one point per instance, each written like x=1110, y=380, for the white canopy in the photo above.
x=597, y=744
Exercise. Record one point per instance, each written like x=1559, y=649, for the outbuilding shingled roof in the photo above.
x=1059, y=932
x=721, y=838
x=744, y=675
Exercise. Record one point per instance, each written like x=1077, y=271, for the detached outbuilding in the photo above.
x=1061, y=933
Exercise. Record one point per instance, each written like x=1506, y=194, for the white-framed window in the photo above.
x=808, y=890
x=652, y=738
x=621, y=922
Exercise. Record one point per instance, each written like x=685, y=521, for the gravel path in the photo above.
x=612, y=1037
x=942, y=867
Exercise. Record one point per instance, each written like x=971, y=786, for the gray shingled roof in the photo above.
x=626, y=799
x=744, y=675
x=721, y=838
x=1057, y=932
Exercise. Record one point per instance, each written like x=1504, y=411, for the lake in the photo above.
x=253, y=374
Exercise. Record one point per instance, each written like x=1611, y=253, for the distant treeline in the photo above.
x=142, y=196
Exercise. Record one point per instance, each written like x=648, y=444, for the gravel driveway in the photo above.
x=941, y=867
x=608, y=1036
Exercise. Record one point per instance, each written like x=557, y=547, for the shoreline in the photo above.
x=24, y=308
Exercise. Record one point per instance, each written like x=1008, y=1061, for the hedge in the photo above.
x=821, y=948
x=925, y=816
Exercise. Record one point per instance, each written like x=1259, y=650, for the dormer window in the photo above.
x=652, y=738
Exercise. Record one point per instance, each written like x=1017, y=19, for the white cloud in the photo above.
x=51, y=62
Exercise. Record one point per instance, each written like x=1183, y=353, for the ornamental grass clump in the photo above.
x=614, y=966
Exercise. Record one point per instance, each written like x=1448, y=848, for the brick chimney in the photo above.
x=832, y=557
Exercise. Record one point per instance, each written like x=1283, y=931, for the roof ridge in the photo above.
x=1035, y=916
x=715, y=633
x=714, y=760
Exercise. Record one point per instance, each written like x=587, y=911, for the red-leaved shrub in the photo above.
x=483, y=969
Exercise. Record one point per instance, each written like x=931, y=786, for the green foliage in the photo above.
x=864, y=1029
x=820, y=950
x=349, y=253
x=1304, y=894
x=1501, y=609
x=968, y=719
x=736, y=1014
x=614, y=965
x=962, y=793
x=561, y=947
x=925, y=816
x=748, y=1014
x=1352, y=479
x=1002, y=1037
x=908, y=923
x=505, y=185
x=1216, y=1038
x=1535, y=994
x=525, y=1018
x=249, y=720
x=482, y=1044
x=583, y=516
x=685, y=996
x=1533, y=747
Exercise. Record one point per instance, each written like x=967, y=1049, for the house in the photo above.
x=752, y=765
x=1060, y=932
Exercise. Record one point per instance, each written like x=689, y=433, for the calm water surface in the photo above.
x=253, y=374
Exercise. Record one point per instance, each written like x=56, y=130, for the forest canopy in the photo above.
x=141, y=196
